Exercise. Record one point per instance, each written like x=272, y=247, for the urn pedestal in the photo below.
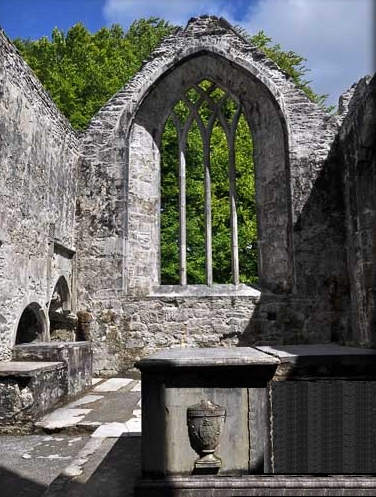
x=204, y=413
x=205, y=422
x=295, y=412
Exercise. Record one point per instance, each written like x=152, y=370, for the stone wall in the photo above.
x=145, y=325
x=302, y=254
x=357, y=144
x=315, y=206
x=38, y=155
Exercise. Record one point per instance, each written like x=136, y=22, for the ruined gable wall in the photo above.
x=38, y=153
x=124, y=327
x=357, y=140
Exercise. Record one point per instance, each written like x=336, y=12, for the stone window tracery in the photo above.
x=205, y=105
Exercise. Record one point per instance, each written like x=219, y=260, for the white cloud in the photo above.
x=335, y=36
x=176, y=11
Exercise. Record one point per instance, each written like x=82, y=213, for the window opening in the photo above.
x=195, y=218
x=199, y=189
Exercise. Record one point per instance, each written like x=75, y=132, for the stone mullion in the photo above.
x=182, y=216
x=205, y=135
x=208, y=220
x=230, y=132
x=232, y=194
x=233, y=216
x=208, y=209
x=182, y=199
x=182, y=145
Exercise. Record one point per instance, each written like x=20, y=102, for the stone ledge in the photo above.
x=291, y=353
x=220, y=290
x=49, y=346
x=77, y=356
x=320, y=361
x=208, y=357
x=257, y=485
x=18, y=368
x=28, y=390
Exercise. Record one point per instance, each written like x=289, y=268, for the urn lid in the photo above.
x=205, y=408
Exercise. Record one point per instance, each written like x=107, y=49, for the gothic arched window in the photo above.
x=208, y=220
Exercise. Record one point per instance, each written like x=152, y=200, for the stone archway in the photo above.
x=119, y=195
x=271, y=158
x=62, y=321
x=32, y=325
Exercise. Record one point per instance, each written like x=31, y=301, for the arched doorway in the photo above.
x=32, y=325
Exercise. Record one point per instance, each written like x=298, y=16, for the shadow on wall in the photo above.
x=318, y=311
x=358, y=155
x=320, y=245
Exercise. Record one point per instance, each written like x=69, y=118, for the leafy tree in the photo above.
x=82, y=70
x=290, y=62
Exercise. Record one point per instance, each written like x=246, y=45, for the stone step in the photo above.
x=76, y=355
x=28, y=390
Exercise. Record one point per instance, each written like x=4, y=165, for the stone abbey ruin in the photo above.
x=80, y=214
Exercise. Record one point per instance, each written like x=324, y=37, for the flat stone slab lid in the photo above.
x=26, y=368
x=52, y=345
x=320, y=353
x=208, y=357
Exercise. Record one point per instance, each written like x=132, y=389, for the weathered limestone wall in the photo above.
x=315, y=200
x=123, y=331
x=301, y=230
x=357, y=140
x=38, y=155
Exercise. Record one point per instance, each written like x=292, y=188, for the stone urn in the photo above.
x=205, y=422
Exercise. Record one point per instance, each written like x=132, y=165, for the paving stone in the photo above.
x=137, y=388
x=87, y=399
x=94, y=381
x=112, y=385
x=110, y=430
x=63, y=417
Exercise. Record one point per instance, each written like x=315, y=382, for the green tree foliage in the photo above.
x=82, y=70
x=290, y=62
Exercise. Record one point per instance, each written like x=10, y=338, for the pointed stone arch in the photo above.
x=61, y=295
x=32, y=325
x=62, y=321
x=270, y=134
x=292, y=136
x=119, y=194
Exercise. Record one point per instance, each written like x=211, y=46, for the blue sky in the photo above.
x=336, y=36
